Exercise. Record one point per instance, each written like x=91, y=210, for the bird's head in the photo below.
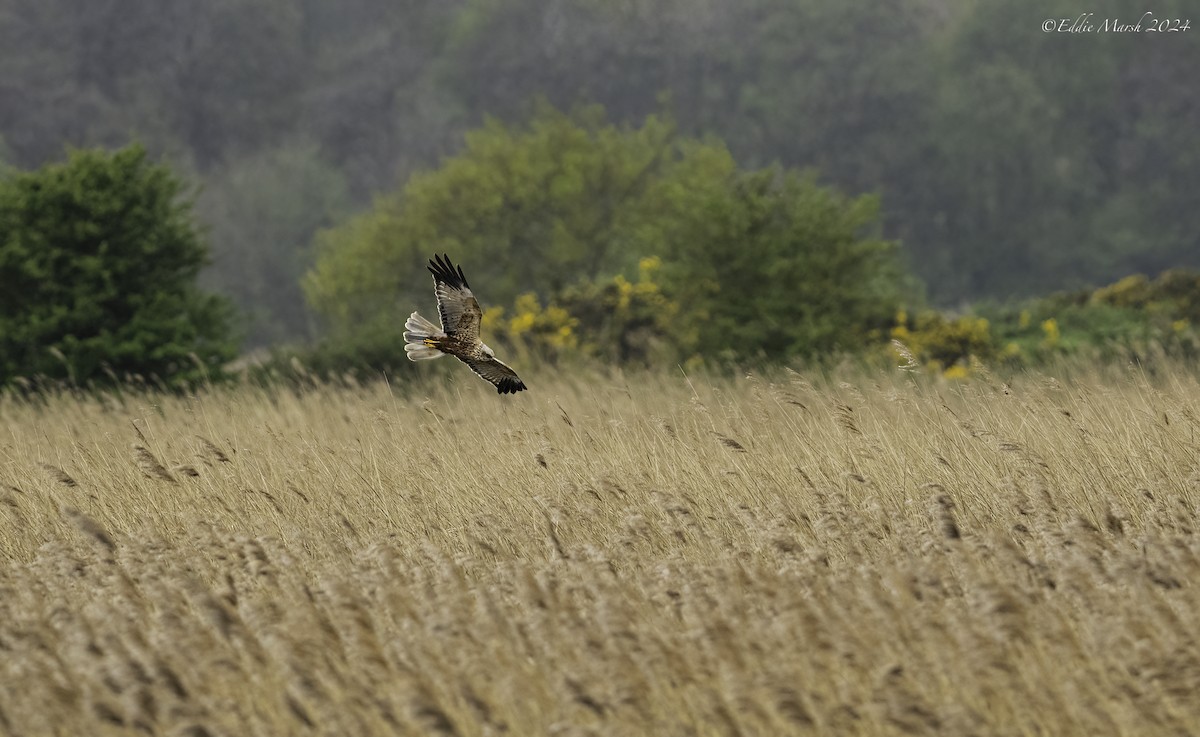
x=487, y=351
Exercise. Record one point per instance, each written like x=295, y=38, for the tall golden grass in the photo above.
x=642, y=555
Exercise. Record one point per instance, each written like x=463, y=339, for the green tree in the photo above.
x=524, y=207
x=762, y=264
x=772, y=265
x=98, y=262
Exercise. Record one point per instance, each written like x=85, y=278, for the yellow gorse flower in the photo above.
x=1050, y=328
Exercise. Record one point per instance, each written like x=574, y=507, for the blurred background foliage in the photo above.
x=802, y=171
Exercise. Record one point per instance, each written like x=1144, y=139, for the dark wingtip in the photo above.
x=510, y=387
x=443, y=270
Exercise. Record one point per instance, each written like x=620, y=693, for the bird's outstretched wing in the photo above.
x=457, y=304
x=496, y=372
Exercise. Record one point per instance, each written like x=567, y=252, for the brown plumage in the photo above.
x=459, y=334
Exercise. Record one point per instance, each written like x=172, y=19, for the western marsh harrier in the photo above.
x=459, y=334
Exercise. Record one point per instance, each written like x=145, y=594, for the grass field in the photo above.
x=645, y=555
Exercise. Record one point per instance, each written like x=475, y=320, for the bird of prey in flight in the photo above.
x=459, y=334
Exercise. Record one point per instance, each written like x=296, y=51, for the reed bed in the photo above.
x=652, y=554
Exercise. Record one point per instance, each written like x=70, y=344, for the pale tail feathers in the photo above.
x=417, y=327
x=418, y=352
x=418, y=331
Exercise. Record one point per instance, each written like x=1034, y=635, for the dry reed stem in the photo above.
x=150, y=465
x=895, y=555
x=58, y=474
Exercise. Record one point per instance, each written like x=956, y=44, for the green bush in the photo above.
x=770, y=265
x=628, y=322
x=754, y=265
x=615, y=320
x=531, y=328
x=1129, y=319
x=98, y=262
x=522, y=208
x=942, y=343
